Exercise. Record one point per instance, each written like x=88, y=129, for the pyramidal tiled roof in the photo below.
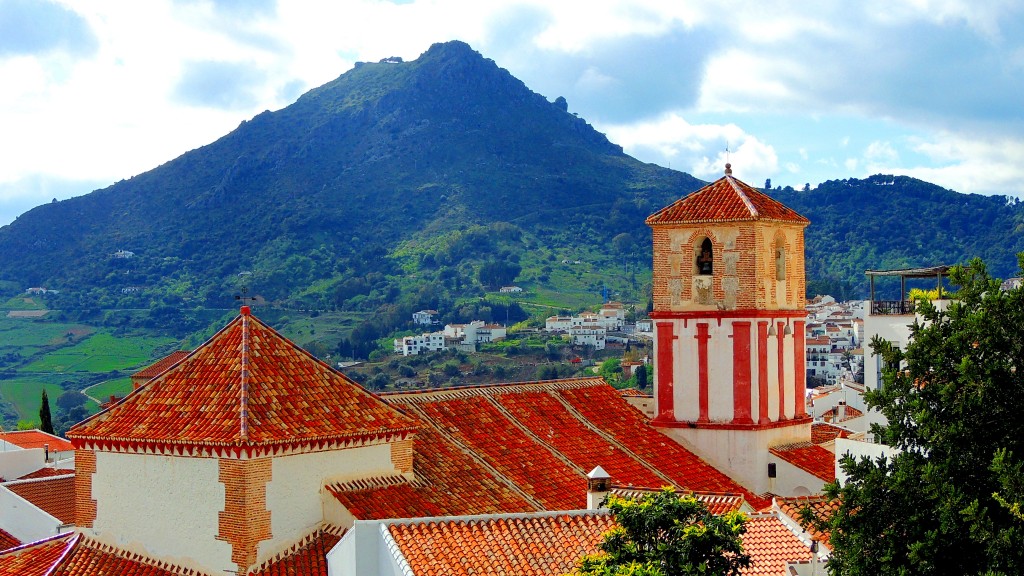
x=725, y=200
x=247, y=389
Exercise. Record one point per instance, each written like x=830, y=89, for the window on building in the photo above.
x=780, y=260
x=705, y=258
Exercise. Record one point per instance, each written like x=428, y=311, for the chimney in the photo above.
x=599, y=484
x=841, y=411
x=46, y=452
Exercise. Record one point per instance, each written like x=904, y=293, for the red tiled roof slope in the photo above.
x=771, y=545
x=307, y=559
x=46, y=472
x=726, y=199
x=481, y=426
x=821, y=507
x=28, y=439
x=602, y=406
x=7, y=540
x=160, y=365
x=822, y=432
x=523, y=545
x=810, y=458
x=449, y=483
x=37, y=558
x=553, y=424
x=54, y=495
x=246, y=386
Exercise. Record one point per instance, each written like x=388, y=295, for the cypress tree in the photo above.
x=45, y=420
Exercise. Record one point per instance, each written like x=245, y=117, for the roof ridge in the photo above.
x=373, y=483
x=536, y=438
x=743, y=197
x=431, y=395
x=75, y=540
x=20, y=481
x=299, y=544
x=498, y=476
x=243, y=393
x=613, y=441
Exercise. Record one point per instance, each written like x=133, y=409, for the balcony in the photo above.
x=892, y=307
x=903, y=307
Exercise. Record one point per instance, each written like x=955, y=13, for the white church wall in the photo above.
x=294, y=493
x=165, y=507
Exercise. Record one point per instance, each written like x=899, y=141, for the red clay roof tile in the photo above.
x=821, y=507
x=522, y=545
x=771, y=545
x=160, y=365
x=308, y=557
x=36, y=439
x=54, y=495
x=36, y=558
x=822, y=432
x=809, y=458
x=726, y=199
x=7, y=540
x=248, y=387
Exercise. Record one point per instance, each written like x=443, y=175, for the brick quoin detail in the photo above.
x=85, y=507
x=245, y=521
x=401, y=455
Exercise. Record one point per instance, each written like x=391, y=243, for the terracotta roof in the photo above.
x=450, y=482
x=54, y=495
x=822, y=432
x=771, y=546
x=821, y=507
x=28, y=439
x=7, y=540
x=246, y=389
x=810, y=458
x=47, y=472
x=37, y=558
x=553, y=543
x=160, y=365
x=308, y=557
x=602, y=406
x=725, y=200
x=524, y=447
x=74, y=555
x=715, y=503
x=633, y=392
x=523, y=545
x=833, y=414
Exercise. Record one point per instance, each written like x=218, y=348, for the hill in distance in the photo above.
x=424, y=184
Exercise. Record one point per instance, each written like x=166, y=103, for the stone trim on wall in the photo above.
x=245, y=520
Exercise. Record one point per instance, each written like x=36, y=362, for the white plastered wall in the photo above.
x=295, y=493
x=165, y=507
x=742, y=454
x=895, y=329
x=686, y=392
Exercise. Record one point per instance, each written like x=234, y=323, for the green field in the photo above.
x=104, y=390
x=25, y=394
x=100, y=353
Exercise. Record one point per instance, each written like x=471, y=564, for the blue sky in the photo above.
x=95, y=92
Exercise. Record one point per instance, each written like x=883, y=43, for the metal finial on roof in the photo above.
x=728, y=169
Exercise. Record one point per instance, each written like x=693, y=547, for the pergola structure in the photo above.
x=903, y=306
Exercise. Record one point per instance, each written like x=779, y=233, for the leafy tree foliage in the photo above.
x=665, y=534
x=45, y=420
x=949, y=502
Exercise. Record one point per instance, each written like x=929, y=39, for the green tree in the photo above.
x=949, y=500
x=611, y=371
x=45, y=420
x=641, y=377
x=664, y=534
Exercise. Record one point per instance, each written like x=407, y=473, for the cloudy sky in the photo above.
x=95, y=91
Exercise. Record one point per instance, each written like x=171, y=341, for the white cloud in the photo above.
x=879, y=152
x=699, y=149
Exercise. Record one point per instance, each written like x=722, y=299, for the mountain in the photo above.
x=408, y=185
x=323, y=189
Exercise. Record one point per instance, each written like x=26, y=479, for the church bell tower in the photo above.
x=729, y=323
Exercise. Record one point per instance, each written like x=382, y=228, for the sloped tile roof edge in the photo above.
x=431, y=395
x=298, y=545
